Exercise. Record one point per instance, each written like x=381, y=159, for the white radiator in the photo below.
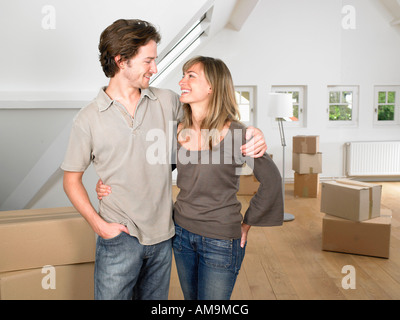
x=377, y=158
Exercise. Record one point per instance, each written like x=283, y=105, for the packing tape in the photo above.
x=371, y=203
x=303, y=145
x=305, y=192
x=355, y=183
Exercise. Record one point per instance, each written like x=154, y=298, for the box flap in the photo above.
x=36, y=218
x=357, y=183
x=34, y=212
x=343, y=185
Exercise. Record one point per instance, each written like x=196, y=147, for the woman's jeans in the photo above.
x=125, y=269
x=207, y=268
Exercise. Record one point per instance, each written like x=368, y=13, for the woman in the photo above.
x=209, y=242
x=210, y=237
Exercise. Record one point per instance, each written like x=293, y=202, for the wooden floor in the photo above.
x=287, y=263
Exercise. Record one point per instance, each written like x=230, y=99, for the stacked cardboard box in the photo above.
x=46, y=254
x=353, y=222
x=307, y=164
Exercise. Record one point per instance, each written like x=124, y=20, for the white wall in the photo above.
x=292, y=42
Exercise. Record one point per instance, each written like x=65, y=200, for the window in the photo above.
x=386, y=105
x=343, y=105
x=298, y=99
x=245, y=100
x=180, y=48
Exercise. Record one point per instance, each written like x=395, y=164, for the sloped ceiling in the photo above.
x=393, y=6
x=66, y=58
x=241, y=12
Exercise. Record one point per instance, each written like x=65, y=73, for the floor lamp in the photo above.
x=280, y=107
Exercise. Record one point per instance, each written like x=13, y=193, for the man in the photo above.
x=134, y=223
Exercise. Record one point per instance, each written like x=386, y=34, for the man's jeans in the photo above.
x=207, y=268
x=125, y=269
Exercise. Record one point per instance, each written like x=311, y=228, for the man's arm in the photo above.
x=79, y=198
x=257, y=146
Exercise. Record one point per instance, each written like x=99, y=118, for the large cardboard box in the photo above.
x=352, y=200
x=305, y=144
x=370, y=237
x=68, y=282
x=306, y=185
x=304, y=163
x=33, y=239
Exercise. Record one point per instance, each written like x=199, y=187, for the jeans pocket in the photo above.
x=113, y=240
x=240, y=256
x=218, y=253
x=177, y=238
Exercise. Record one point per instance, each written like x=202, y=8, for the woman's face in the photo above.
x=194, y=86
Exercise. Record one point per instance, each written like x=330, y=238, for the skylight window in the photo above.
x=179, y=50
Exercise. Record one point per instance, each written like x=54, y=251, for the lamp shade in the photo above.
x=280, y=105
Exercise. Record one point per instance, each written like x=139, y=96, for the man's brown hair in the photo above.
x=124, y=37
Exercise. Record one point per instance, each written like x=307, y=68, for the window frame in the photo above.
x=388, y=88
x=190, y=38
x=252, y=103
x=354, y=109
x=302, y=105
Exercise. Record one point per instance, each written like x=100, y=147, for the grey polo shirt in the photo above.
x=133, y=156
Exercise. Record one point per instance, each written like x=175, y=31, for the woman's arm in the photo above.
x=266, y=206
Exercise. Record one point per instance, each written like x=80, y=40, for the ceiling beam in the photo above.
x=240, y=14
x=395, y=22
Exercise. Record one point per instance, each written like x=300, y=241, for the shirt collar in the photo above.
x=104, y=101
x=149, y=93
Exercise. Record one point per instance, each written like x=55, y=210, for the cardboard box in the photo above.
x=352, y=200
x=305, y=144
x=307, y=163
x=370, y=237
x=33, y=239
x=36, y=212
x=306, y=185
x=248, y=185
x=69, y=282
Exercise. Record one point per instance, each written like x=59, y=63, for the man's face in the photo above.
x=139, y=69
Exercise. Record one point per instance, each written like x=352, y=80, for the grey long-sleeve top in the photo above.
x=208, y=181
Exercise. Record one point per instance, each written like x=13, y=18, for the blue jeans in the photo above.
x=207, y=268
x=126, y=269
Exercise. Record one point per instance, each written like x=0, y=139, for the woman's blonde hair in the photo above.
x=223, y=106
